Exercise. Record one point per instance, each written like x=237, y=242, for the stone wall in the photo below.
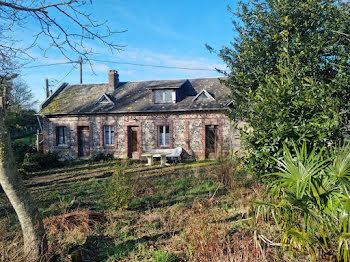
x=187, y=130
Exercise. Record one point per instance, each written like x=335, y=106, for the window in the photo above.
x=108, y=135
x=163, y=136
x=61, y=135
x=163, y=96
x=202, y=96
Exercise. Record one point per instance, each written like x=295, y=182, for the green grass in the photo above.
x=152, y=228
x=29, y=140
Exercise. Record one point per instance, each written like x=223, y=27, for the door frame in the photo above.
x=77, y=125
x=219, y=141
x=127, y=137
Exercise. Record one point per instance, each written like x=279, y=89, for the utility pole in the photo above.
x=47, y=91
x=81, y=69
x=5, y=101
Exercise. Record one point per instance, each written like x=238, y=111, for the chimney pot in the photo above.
x=113, y=80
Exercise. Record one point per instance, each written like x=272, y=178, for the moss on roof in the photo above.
x=135, y=97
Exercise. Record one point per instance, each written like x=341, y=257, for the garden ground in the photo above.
x=184, y=212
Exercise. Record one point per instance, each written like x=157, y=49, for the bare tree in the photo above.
x=21, y=97
x=63, y=25
x=67, y=27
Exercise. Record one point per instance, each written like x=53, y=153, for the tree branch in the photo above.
x=37, y=9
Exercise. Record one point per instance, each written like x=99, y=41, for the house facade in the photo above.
x=127, y=119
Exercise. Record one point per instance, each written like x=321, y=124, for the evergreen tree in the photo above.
x=289, y=74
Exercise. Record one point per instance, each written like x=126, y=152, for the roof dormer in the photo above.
x=105, y=99
x=163, y=93
x=203, y=95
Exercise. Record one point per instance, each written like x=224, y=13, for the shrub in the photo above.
x=231, y=174
x=120, y=187
x=310, y=200
x=289, y=108
x=20, y=149
x=39, y=160
x=103, y=157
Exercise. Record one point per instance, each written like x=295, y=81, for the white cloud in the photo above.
x=144, y=56
x=99, y=68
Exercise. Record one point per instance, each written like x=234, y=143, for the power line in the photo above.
x=53, y=64
x=124, y=63
x=158, y=66
x=67, y=74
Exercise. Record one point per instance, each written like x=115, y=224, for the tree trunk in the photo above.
x=35, y=242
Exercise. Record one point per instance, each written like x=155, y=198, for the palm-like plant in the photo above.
x=312, y=190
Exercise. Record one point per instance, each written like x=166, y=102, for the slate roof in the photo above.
x=132, y=97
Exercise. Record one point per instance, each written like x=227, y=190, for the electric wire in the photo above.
x=158, y=66
x=124, y=63
x=53, y=64
x=67, y=74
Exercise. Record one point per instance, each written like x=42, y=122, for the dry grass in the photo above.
x=187, y=212
x=80, y=220
x=10, y=243
x=211, y=239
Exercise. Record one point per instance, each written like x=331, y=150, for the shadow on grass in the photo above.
x=148, y=203
x=105, y=247
x=64, y=181
x=75, y=167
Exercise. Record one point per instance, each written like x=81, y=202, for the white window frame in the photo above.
x=163, y=96
x=108, y=135
x=162, y=136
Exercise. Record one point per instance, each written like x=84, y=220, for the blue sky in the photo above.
x=170, y=33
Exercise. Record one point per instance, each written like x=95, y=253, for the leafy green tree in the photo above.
x=289, y=74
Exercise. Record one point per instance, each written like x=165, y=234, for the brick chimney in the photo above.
x=113, y=80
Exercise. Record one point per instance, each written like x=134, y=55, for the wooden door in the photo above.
x=133, y=143
x=83, y=141
x=211, y=141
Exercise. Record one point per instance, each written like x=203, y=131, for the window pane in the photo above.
x=158, y=96
x=112, y=135
x=160, y=135
x=168, y=95
x=64, y=131
x=108, y=135
x=167, y=139
x=62, y=135
x=163, y=136
x=203, y=96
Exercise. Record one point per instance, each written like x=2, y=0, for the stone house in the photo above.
x=127, y=119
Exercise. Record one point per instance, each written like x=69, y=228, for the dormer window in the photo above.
x=203, y=95
x=163, y=96
x=105, y=100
